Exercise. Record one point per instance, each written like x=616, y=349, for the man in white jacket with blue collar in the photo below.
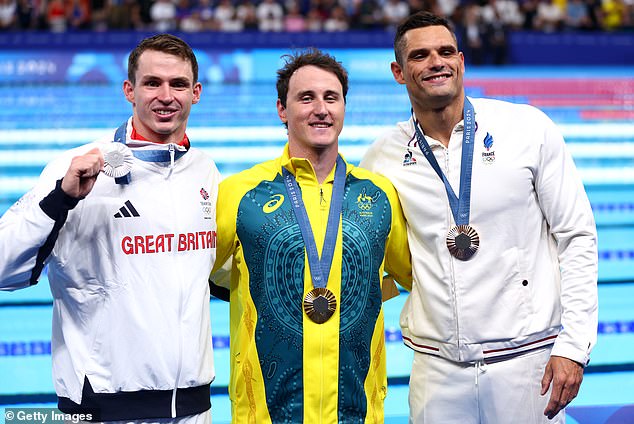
x=127, y=228
x=503, y=311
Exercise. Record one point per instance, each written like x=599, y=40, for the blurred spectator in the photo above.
x=628, y=18
x=549, y=16
x=337, y=21
x=188, y=17
x=226, y=18
x=447, y=7
x=270, y=16
x=577, y=16
x=78, y=14
x=124, y=14
x=8, y=9
x=368, y=15
x=56, y=16
x=613, y=13
x=484, y=26
x=474, y=31
x=25, y=15
x=247, y=13
x=314, y=20
x=99, y=15
x=191, y=22
x=507, y=11
x=498, y=16
x=163, y=15
x=528, y=8
x=394, y=11
x=294, y=21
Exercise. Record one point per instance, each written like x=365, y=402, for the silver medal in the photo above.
x=117, y=158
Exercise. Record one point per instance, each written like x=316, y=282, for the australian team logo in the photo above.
x=272, y=205
x=488, y=157
x=365, y=203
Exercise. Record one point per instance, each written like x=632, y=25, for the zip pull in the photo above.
x=171, y=149
x=322, y=201
x=172, y=153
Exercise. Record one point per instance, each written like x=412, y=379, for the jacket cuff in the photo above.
x=57, y=203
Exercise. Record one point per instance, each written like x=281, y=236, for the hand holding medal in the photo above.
x=117, y=158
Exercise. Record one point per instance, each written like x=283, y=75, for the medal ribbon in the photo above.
x=319, y=267
x=460, y=207
x=144, y=155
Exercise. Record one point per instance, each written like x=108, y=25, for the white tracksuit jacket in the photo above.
x=533, y=280
x=128, y=273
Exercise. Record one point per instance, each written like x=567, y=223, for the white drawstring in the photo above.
x=480, y=367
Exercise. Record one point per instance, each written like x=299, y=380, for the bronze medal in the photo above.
x=463, y=242
x=319, y=304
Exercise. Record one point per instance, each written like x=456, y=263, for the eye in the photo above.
x=306, y=98
x=151, y=83
x=180, y=84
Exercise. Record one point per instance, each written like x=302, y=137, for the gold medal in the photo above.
x=319, y=304
x=462, y=242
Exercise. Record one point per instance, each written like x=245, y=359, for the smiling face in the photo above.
x=314, y=111
x=432, y=68
x=162, y=96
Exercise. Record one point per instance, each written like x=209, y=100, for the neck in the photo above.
x=439, y=123
x=322, y=160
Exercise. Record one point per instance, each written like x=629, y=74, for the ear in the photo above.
x=198, y=89
x=281, y=111
x=128, y=90
x=461, y=55
x=397, y=72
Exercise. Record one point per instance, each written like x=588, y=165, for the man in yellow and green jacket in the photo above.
x=299, y=353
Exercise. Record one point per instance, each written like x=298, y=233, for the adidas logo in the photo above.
x=126, y=211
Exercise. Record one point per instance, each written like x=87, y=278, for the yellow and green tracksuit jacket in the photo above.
x=284, y=367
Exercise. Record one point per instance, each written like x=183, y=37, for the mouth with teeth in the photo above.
x=437, y=78
x=164, y=112
x=320, y=125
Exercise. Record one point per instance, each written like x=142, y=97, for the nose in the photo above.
x=435, y=60
x=319, y=109
x=165, y=93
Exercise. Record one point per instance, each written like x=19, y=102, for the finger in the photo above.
x=560, y=396
x=547, y=378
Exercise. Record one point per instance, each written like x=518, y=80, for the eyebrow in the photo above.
x=427, y=50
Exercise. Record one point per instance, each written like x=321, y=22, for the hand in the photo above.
x=566, y=376
x=82, y=174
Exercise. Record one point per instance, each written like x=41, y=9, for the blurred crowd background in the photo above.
x=482, y=24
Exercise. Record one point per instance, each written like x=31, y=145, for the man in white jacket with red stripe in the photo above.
x=128, y=253
x=503, y=311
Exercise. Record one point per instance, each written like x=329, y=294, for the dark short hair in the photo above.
x=165, y=43
x=314, y=57
x=417, y=20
